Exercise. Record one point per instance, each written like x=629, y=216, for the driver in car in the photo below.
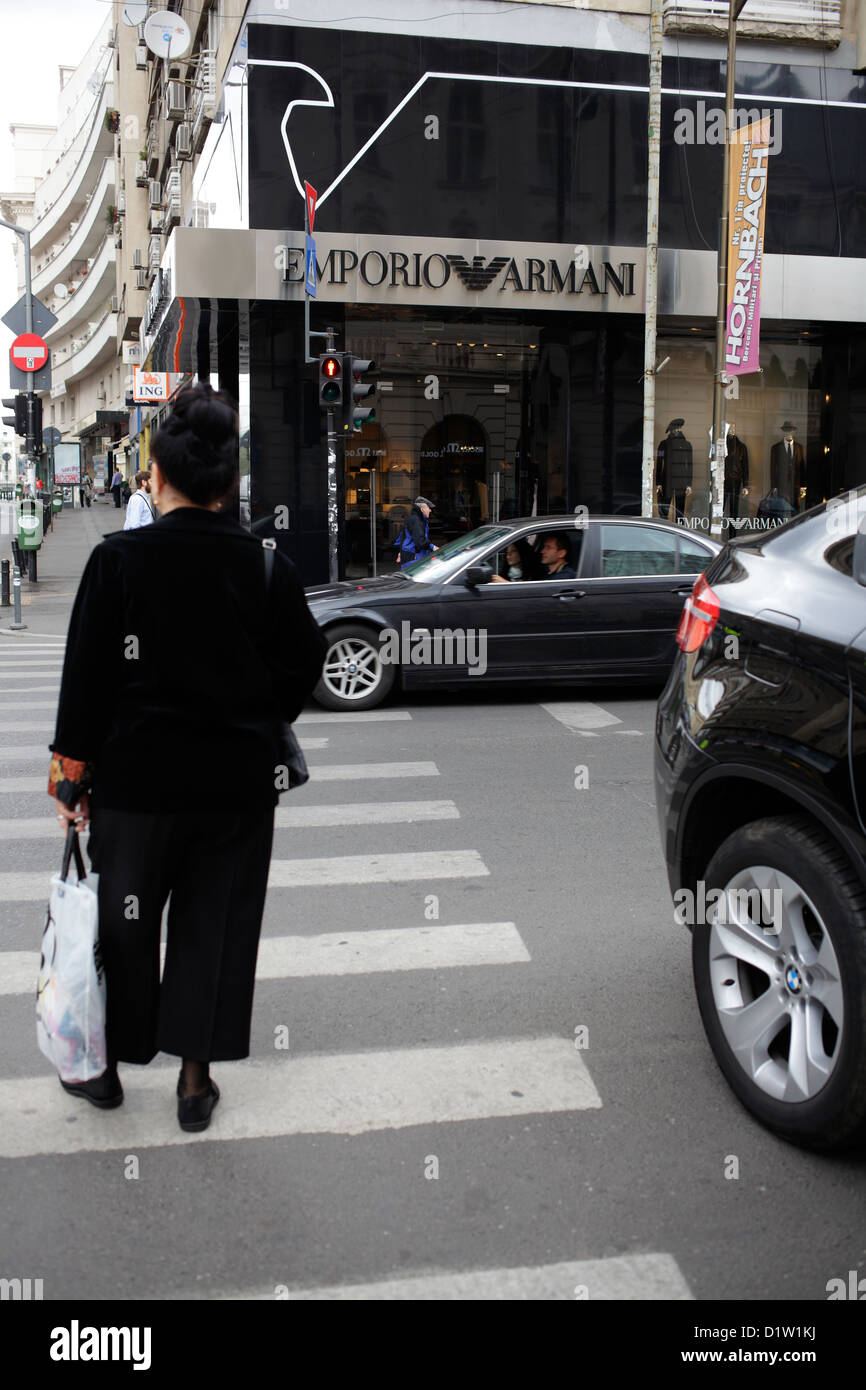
x=554, y=554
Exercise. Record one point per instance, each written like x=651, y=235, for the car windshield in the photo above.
x=432, y=569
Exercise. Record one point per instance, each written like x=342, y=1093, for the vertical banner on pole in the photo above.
x=750, y=153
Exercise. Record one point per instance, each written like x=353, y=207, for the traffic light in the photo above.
x=355, y=416
x=19, y=419
x=34, y=425
x=331, y=378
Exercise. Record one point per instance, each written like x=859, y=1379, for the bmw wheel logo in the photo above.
x=793, y=979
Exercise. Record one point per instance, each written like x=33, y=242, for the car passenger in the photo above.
x=522, y=563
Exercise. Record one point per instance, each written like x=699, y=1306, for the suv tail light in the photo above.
x=700, y=615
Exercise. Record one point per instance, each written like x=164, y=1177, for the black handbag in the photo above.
x=291, y=756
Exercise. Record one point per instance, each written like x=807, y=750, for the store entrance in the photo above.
x=455, y=412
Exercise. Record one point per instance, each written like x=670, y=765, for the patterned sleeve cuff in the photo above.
x=69, y=779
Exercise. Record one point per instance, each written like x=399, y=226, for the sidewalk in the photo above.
x=46, y=605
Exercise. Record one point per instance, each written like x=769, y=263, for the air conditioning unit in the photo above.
x=141, y=57
x=156, y=219
x=183, y=142
x=113, y=304
x=175, y=101
x=137, y=261
x=141, y=279
x=155, y=195
x=141, y=173
x=100, y=396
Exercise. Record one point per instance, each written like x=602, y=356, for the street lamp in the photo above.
x=720, y=381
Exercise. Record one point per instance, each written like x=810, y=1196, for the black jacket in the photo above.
x=179, y=667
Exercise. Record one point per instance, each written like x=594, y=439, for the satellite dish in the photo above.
x=167, y=35
x=134, y=13
x=61, y=291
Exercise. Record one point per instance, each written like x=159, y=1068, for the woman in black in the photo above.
x=176, y=632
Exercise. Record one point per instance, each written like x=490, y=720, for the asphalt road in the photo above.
x=503, y=1093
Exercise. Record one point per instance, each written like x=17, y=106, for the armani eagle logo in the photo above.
x=477, y=276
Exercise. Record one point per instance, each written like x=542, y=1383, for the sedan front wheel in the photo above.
x=354, y=676
x=780, y=977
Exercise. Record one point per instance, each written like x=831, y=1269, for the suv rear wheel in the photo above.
x=780, y=976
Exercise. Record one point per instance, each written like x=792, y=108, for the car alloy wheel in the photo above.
x=353, y=676
x=776, y=987
x=781, y=980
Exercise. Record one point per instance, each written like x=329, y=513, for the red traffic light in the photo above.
x=330, y=367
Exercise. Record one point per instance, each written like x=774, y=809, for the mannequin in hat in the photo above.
x=787, y=466
x=674, y=467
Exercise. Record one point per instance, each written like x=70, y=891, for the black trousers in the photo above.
x=215, y=867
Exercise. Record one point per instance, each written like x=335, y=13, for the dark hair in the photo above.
x=529, y=561
x=197, y=446
x=562, y=541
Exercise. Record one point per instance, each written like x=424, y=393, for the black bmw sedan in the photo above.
x=761, y=792
x=538, y=599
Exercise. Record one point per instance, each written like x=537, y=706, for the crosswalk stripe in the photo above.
x=38, y=750
x=299, y=817
x=623, y=1278
x=344, y=953
x=353, y=1093
x=29, y=690
x=338, y=772
x=353, y=772
x=368, y=716
x=372, y=868
x=364, y=813
x=581, y=716
x=346, y=869
x=28, y=704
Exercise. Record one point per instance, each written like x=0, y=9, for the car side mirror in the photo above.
x=858, y=562
x=478, y=574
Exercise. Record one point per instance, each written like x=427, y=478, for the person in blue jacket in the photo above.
x=414, y=539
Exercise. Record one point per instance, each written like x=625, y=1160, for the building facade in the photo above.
x=481, y=234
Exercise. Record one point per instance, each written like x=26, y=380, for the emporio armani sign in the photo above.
x=386, y=269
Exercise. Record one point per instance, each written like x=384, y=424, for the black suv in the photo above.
x=761, y=790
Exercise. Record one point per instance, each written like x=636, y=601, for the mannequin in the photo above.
x=674, y=468
x=736, y=471
x=787, y=466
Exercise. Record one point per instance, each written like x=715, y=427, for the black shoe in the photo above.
x=104, y=1091
x=194, y=1112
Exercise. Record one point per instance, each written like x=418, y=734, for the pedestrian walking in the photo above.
x=116, y=485
x=88, y=489
x=177, y=631
x=414, y=539
x=139, y=512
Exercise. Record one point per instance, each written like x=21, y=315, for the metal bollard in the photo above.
x=17, y=624
x=5, y=600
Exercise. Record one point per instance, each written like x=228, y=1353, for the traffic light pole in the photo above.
x=333, y=493
x=24, y=234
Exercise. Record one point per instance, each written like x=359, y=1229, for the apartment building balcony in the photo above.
x=83, y=243
x=62, y=195
x=96, y=346
x=816, y=22
x=96, y=286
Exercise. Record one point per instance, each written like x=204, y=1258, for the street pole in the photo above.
x=28, y=302
x=717, y=449
x=652, y=255
x=333, y=496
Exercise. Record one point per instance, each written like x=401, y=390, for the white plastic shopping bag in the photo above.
x=70, y=991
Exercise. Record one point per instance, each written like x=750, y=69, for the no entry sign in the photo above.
x=29, y=352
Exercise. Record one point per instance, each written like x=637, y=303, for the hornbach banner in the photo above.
x=750, y=153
